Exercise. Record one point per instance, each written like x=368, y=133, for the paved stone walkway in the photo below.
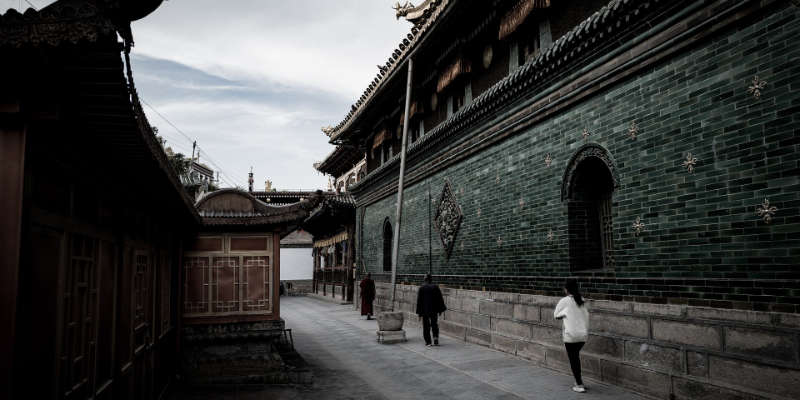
x=349, y=364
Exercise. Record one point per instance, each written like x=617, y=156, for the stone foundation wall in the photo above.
x=233, y=353
x=658, y=350
x=333, y=291
x=300, y=286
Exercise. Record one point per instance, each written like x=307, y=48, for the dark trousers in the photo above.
x=430, y=322
x=573, y=350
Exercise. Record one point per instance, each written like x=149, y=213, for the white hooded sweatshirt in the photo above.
x=575, y=318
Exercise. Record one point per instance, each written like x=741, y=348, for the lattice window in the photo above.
x=234, y=279
x=225, y=284
x=166, y=284
x=141, y=289
x=256, y=276
x=80, y=299
x=196, y=285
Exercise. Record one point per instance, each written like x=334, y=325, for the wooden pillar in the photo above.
x=12, y=171
x=276, y=251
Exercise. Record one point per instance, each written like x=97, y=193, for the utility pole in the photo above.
x=396, y=241
x=191, y=161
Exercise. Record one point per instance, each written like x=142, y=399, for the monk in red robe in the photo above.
x=367, y=286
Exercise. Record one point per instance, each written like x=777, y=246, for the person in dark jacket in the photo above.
x=367, y=286
x=430, y=304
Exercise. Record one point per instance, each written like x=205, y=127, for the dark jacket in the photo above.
x=430, y=300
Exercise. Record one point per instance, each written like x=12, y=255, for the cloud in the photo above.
x=254, y=80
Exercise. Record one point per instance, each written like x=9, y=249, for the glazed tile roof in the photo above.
x=430, y=14
x=617, y=16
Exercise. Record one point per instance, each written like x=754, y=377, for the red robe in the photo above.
x=367, y=295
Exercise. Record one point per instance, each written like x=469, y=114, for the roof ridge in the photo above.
x=528, y=74
x=430, y=16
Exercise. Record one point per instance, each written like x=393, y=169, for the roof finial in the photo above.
x=402, y=10
x=327, y=130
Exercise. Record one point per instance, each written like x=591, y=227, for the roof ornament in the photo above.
x=402, y=10
x=327, y=130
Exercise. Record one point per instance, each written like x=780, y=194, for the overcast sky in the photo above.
x=254, y=80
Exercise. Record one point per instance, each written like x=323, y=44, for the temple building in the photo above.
x=113, y=280
x=648, y=149
x=332, y=225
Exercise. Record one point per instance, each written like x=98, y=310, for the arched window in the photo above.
x=590, y=184
x=387, y=245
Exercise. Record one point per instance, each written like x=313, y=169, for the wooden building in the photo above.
x=231, y=272
x=332, y=225
x=648, y=149
x=96, y=225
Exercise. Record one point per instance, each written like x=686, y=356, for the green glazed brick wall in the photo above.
x=702, y=244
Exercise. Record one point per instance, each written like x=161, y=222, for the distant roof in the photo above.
x=339, y=161
x=298, y=238
x=237, y=207
x=283, y=197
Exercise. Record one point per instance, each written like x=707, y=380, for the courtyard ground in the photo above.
x=348, y=363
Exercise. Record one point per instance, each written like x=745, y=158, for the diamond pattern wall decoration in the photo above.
x=448, y=218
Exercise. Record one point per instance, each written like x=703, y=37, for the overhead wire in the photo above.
x=223, y=175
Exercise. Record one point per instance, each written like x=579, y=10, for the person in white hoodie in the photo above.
x=575, y=316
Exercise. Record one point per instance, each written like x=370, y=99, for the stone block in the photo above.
x=547, y=335
x=457, y=317
x=604, y=346
x=608, y=305
x=504, y=344
x=556, y=358
x=451, y=302
x=697, y=364
x=776, y=381
x=506, y=297
x=479, y=337
x=525, y=312
x=546, y=316
x=510, y=328
x=538, y=300
x=687, y=333
x=760, y=343
x=652, y=383
x=496, y=309
x=621, y=325
x=482, y=322
x=654, y=357
x=531, y=351
x=455, y=330
x=389, y=337
x=671, y=310
x=719, y=314
x=789, y=320
x=688, y=389
x=469, y=305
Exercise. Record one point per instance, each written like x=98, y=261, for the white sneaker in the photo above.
x=579, y=389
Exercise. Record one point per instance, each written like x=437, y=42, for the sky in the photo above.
x=253, y=81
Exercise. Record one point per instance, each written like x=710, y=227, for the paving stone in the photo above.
x=348, y=363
